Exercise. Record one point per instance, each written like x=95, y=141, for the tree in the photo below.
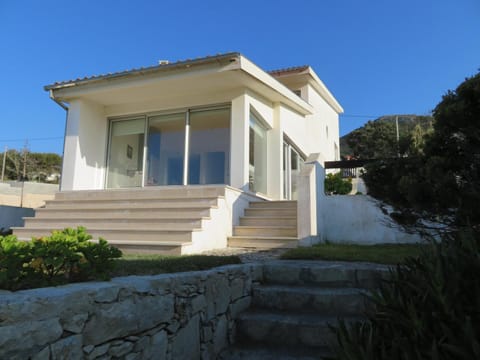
x=38, y=166
x=445, y=179
x=376, y=139
x=335, y=184
x=428, y=308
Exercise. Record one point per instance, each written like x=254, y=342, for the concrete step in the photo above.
x=246, y=351
x=268, y=221
x=325, y=273
x=263, y=242
x=283, y=204
x=271, y=231
x=149, y=247
x=167, y=236
x=302, y=299
x=131, y=204
x=117, y=223
x=287, y=329
x=270, y=212
x=102, y=203
x=170, y=192
x=133, y=213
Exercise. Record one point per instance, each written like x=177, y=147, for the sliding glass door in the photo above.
x=125, y=155
x=188, y=147
x=209, y=147
x=292, y=165
x=166, y=146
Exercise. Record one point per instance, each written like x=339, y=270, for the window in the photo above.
x=125, y=155
x=188, y=147
x=209, y=147
x=292, y=165
x=257, y=156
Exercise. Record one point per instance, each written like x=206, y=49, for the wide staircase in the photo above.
x=139, y=220
x=267, y=225
x=292, y=309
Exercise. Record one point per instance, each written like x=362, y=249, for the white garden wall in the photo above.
x=358, y=219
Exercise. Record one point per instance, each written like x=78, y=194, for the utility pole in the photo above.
x=398, y=137
x=4, y=161
x=25, y=150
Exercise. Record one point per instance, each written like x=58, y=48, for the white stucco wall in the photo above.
x=85, y=147
x=325, y=116
x=357, y=219
x=87, y=133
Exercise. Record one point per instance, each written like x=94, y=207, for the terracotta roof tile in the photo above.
x=139, y=70
x=289, y=70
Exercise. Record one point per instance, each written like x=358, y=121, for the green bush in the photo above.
x=429, y=309
x=335, y=184
x=63, y=257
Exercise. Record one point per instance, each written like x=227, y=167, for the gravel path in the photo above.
x=248, y=255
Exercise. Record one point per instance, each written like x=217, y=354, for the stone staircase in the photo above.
x=143, y=220
x=267, y=225
x=292, y=309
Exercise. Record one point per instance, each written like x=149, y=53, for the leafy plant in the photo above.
x=427, y=310
x=335, y=184
x=65, y=256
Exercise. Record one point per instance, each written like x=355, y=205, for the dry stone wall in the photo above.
x=171, y=316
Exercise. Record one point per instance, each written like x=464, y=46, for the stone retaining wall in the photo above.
x=171, y=316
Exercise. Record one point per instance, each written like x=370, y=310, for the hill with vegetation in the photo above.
x=378, y=138
x=31, y=166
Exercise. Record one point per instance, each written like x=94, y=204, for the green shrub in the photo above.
x=63, y=257
x=429, y=309
x=335, y=184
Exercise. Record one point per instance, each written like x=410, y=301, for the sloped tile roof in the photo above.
x=141, y=70
x=289, y=70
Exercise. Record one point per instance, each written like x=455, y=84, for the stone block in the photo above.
x=186, y=343
x=136, y=284
x=98, y=351
x=133, y=356
x=67, y=348
x=141, y=344
x=121, y=349
x=220, y=335
x=43, y=354
x=218, y=295
x=236, y=288
x=158, y=347
x=133, y=315
x=75, y=324
x=208, y=352
x=198, y=303
x=33, y=334
x=207, y=333
x=239, y=306
x=107, y=294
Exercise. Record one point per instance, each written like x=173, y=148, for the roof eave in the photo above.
x=143, y=71
x=291, y=99
x=320, y=87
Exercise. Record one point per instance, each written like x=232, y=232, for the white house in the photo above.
x=218, y=122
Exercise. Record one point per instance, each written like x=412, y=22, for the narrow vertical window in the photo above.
x=257, y=156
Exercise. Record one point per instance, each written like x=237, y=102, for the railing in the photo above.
x=348, y=168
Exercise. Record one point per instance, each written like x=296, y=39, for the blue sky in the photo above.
x=377, y=57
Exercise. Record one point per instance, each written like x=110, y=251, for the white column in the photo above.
x=70, y=149
x=275, y=157
x=239, y=135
